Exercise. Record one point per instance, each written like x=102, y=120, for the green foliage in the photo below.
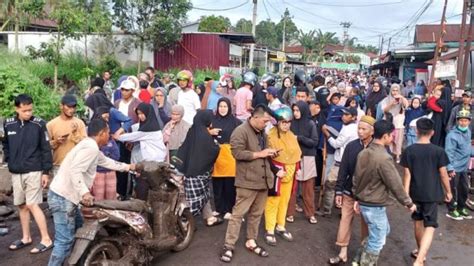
x=19, y=12
x=266, y=35
x=291, y=31
x=214, y=24
x=244, y=26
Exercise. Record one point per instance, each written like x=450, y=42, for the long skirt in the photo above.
x=197, y=191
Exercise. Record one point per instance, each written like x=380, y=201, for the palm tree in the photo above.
x=307, y=41
x=323, y=39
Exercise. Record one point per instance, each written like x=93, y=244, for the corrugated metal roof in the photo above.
x=430, y=33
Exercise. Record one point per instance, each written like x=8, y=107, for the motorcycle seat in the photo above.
x=133, y=205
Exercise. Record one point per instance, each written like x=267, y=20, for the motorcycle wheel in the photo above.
x=186, y=221
x=102, y=250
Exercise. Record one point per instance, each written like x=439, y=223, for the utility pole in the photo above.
x=462, y=37
x=381, y=47
x=389, y=42
x=467, y=51
x=284, y=33
x=254, y=23
x=345, y=37
x=438, y=46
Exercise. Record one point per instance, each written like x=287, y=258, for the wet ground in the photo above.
x=313, y=244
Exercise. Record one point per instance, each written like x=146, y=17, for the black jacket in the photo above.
x=347, y=167
x=26, y=146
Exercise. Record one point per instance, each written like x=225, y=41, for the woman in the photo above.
x=174, y=132
x=287, y=159
x=148, y=143
x=224, y=169
x=118, y=122
x=307, y=135
x=412, y=114
x=393, y=107
x=227, y=88
x=195, y=160
x=354, y=103
x=105, y=181
x=213, y=96
x=374, y=98
x=287, y=93
x=161, y=106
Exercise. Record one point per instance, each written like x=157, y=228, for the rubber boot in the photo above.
x=368, y=259
x=356, y=259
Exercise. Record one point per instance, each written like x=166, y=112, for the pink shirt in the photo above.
x=241, y=97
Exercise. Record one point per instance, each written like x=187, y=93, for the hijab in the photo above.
x=397, y=108
x=97, y=100
x=373, y=98
x=156, y=107
x=151, y=123
x=414, y=113
x=199, y=150
x=302, y=126
x=227, y=123
x=287, y=143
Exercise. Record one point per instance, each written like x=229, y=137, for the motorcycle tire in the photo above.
x=98, y=251
x=187, y=220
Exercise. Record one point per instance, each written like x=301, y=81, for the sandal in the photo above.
x=298, y=208
x=18, y=244
x=290, y=219
x=41, y=248
x=226, y=255
x=261, y=252
x=270, y=239
x=414, y=254
x=218, y=221
x=285, y=235
x=337, y=260
x=312, y=220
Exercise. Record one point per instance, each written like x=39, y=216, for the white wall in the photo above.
x=36, y=38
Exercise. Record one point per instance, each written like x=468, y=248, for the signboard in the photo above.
x=340, y=66
x=235, y=71
x=445, y=69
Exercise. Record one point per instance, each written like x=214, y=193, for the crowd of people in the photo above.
x=263, y=148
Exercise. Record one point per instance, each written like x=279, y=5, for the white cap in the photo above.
x=127, y=84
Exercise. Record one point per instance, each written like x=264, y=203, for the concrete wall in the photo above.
x=36, y=38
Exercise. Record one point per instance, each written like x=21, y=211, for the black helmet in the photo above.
x=269, y=79
x=250, y=78
x=300, y=78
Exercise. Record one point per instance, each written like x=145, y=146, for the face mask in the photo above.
x=463, y=129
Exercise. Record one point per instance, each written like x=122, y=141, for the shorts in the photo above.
x=426, y=212
x=27, y=188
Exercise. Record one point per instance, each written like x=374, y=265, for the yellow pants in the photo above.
x=276, y=207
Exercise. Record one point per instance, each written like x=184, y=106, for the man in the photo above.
x=344, y=196
x=72, y=186
x=243, y=96
x=424, y=178
x=321, y=92
x=374, y=179
x=302, y=94
x=253, y=179
x=108, y=84
x=459, y=150
x=272, y=97
x=466, y=104
x=128, y=103
x=27, y=151
x=154, y=82
x=347, y=134
x=187, y=97
x=65, y=131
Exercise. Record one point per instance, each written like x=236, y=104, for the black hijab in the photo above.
x=151, y=123
x=375, y=97
x=97, y=100
x=227, y=123
x=199, y=150
x=302, y=126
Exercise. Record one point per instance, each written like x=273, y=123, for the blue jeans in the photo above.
x=67, y=218
x=377, y=221
x=411, y=136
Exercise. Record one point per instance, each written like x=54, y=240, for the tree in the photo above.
x=153, y=23
x=19, y=12
x=266, y=34
x=214, y=24
x=307, y=40
x=291, y=31
x=243, y=25
x=323, y=39
x=70, y=20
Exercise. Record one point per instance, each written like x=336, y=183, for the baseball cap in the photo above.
x=127, y=84
x=69, y=100
x=349, y=111
x=271, y=90
x=466, y=93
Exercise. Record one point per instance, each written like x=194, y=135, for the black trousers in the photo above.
x=319, y=167
x=123, y=177
x=224, y=194
x=460, y=189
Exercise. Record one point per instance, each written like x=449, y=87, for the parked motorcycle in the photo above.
x=134, y=232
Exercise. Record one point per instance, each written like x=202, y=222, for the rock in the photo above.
x=5, y=181
x=5, y=211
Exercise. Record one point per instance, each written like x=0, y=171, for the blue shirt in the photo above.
x=459, y=150
x=118, y=120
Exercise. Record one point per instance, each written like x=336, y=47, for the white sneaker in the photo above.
x=214, y=213
x=227, y=216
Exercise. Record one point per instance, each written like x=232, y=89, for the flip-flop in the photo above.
x=257, y=250
x=414, y=254
x=42, y=248
x=18, y=245
x=218, y=221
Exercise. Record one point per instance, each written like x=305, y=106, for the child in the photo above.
x=424, y=178
x=413, y=112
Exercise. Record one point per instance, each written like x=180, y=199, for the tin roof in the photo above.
x=430, y=33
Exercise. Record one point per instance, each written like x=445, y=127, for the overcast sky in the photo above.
x=369, y=18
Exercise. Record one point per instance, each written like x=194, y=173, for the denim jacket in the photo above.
x=459, y=150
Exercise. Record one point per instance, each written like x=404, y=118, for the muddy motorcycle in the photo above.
x=134, y=232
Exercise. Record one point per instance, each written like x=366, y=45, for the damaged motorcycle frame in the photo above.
x=134, y=232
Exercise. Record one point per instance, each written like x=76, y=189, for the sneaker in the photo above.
x=465, y=214
x=227, y=216
x=454, y=215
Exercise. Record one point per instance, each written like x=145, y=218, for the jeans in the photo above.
x=67, y=219
x=377, y=221
x=411, y=136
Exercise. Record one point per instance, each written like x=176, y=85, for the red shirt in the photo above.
x=144, y=96
x=433, y=105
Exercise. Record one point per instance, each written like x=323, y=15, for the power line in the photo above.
x=266, y=10
x=354, y=5
x=222, y=9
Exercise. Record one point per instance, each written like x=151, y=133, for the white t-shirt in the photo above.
x=123, y=107
x=191, y=103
